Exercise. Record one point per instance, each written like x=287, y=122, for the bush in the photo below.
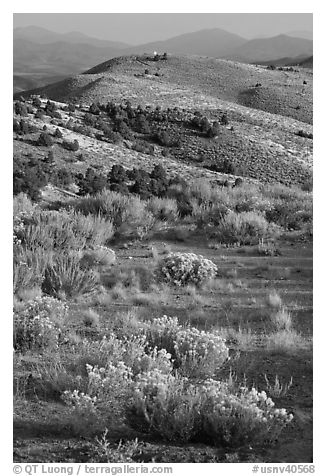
x=213, y=130
x=28, y=269
x=107, y=390
x=165, y=139
x=72, y=146
x=37, y=324
x=291, y=213
x=302, y=133
x=164, y=209
x=195, y=354
x=213, y=412
x=91, y=183
x=181, y=269
x=127, y=213
x=20, y=109
x=117, y=174
x=58, y=133
x=100, y=256
x=45, y=140
x=243, y=228
x=29, y=178
x=199, y=354
x=65, y=278
x=162, y=333
x=52, y=230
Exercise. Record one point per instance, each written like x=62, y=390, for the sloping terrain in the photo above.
x=40, y=51
x=263, y=138
x=189, y=81
x=263, y=49
x=127, y=168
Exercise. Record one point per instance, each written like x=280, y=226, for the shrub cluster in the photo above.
x=175, y=409
x=163, y=394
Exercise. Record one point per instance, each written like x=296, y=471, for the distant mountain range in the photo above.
x=42, y=56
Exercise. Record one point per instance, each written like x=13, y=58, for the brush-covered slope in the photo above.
x=262, y=145
x=190, y=82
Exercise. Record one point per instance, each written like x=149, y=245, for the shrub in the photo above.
x=163, y=405
x=28, y=268
x=73, y=146
x=282, y=320
x=100, y=256
x=164, y=209
x=58, y=133
x=212, y=131
x=37, y=102
x=199, y=354
x=45, y=140
x=50, y=230
x=162, y=333
x=62, y=177
x=302, y=133
x=37, y=324
x=185, y=268
x=243, y=228
x=91, y=183
x=214, y=412
x=107, y=391
x=164, y=138
x=20, y=108
x=22, y=205
x=292, y=212
x=233, y=417
x=117, y=174
x=65, y=278
x=127, y=213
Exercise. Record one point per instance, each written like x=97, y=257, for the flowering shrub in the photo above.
x=196, y=354
x=164, y=405
x=162, y=333
x=237, y=417
x=185, y=268
x=213, y=412
x=199, y=354
x=37, y=325
x=107, y=391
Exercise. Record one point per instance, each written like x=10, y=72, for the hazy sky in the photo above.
x=137, y=28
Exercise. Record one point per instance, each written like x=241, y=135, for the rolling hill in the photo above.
x=267, y=49
x=42, y=56
x=267, y=109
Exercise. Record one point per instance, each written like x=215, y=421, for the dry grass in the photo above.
x=282, y=320
x=288, y=341
x=278, y=389
x=274, y=300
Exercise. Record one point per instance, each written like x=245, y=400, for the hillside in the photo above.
x=162, y=241
x=264, y=49
x=190, y=82
x=262, y=140
x=41, y=56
